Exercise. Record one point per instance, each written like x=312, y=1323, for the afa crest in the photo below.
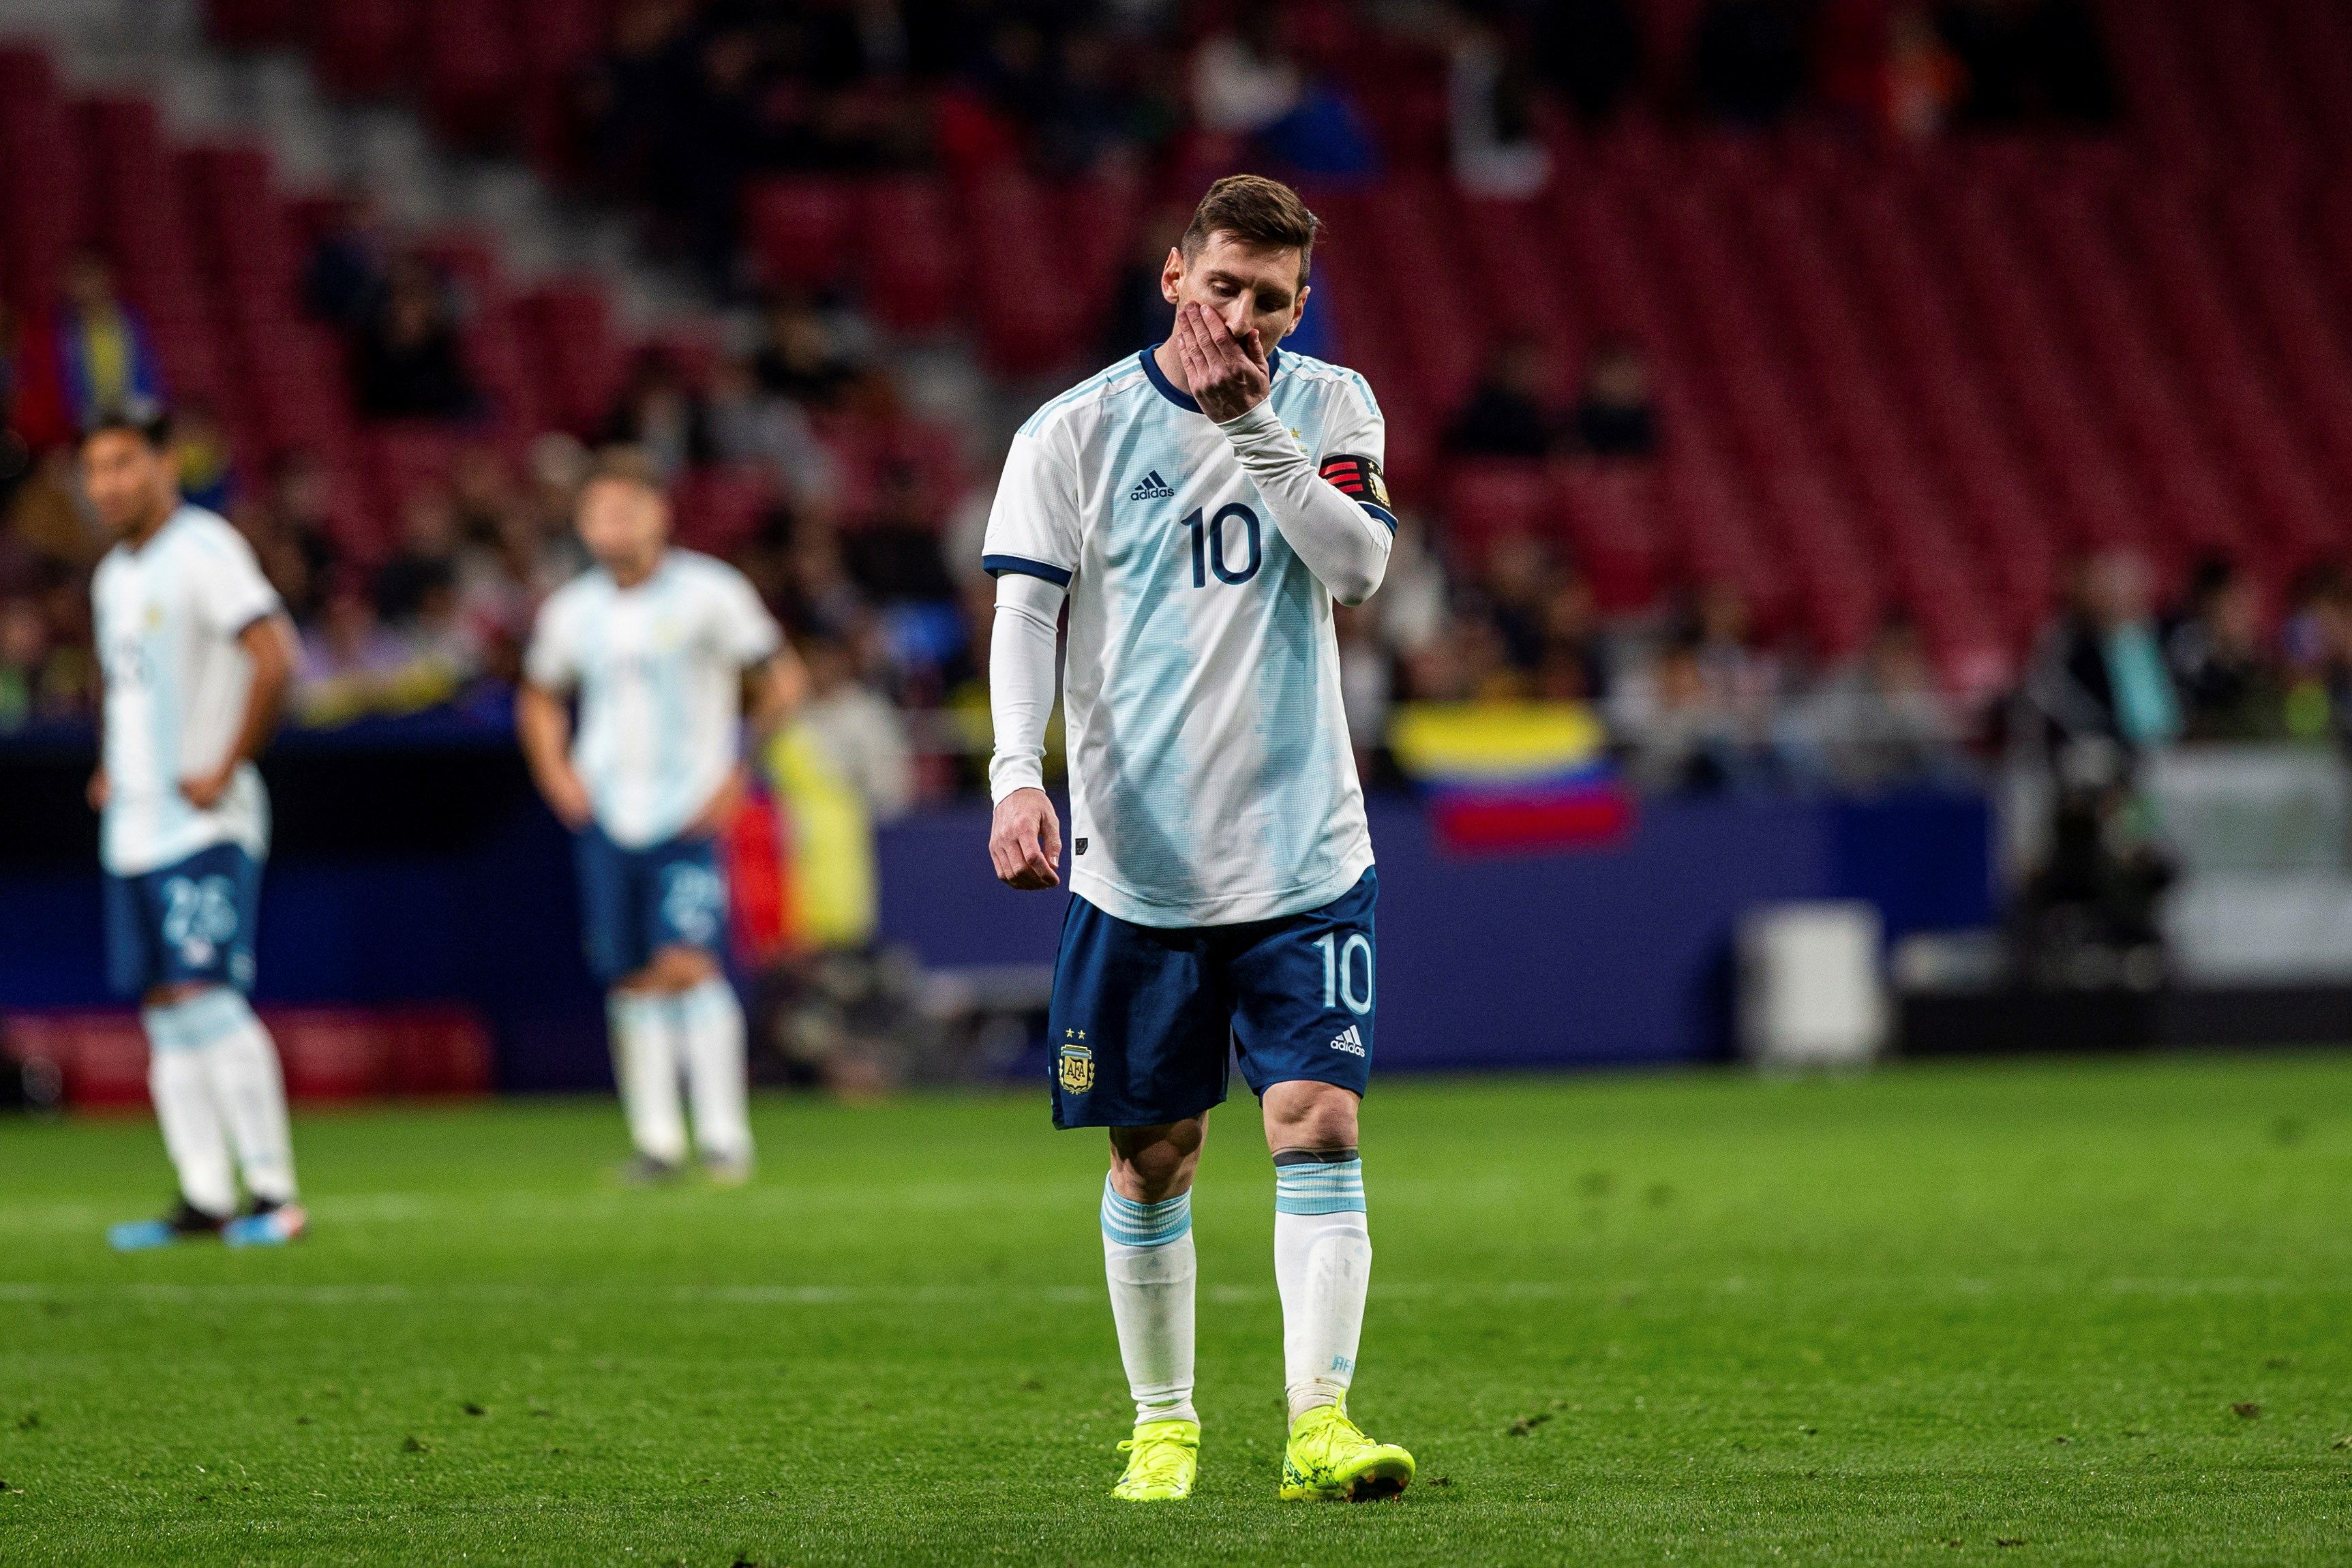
x=1076, y=1063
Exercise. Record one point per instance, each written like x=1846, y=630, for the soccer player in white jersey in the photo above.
x=195, y=652
x=1201, y=507
x=662, y=646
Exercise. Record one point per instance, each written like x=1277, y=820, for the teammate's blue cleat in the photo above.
x=270, y=1225
x=184, y=1223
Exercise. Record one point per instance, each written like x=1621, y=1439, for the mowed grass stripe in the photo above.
x=2093, y=1308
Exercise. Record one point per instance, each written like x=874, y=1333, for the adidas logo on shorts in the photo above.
x=1152, y=487
x=1349, y=1041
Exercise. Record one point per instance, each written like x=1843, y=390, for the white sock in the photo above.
x=645, y=1066
x=242, y=1062
x=711, y=1020
x=192, y=1134
x=1148, y=1255
x=1322, y=1265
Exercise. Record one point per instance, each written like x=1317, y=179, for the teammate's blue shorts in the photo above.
x=190, y=923
x=1143, y=1018
x=635, y=902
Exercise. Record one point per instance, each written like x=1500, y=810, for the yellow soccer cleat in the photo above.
x=1162, y=1457
x=1328, y=1460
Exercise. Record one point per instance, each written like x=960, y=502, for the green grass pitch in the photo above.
x=2030, y=1313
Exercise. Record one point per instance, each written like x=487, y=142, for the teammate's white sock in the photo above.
x=192, y=1134
x=242, y=1062
x=1322, y=1265
x=711, y=1022
x=1148, y=1257
x=645, y=1066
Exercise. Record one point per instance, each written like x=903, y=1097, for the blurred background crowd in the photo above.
x=844, y=178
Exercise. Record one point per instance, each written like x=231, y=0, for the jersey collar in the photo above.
x=1182, y=399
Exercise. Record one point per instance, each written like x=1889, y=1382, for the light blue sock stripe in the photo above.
x=1131, y=1223
x=1320, y=1189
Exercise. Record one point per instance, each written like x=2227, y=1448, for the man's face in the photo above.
x=1250, y=285
x=623, y=524
x=129, y=483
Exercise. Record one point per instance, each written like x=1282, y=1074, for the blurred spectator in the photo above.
x=661, y=416
x=859, y=731
x=1507, y=414
x=2030, y=58
x=425, y=564
x=24, y=641
x=1677, y=732
x=1924, y=79
x=1615, y=414
x=294, y=534
x=104, y=358
x=343, y=279
x=1747, y=59
x=2228, y=688
x=1367, y=684
x=1498, y=150
x=1878, y=720
x=1590, y=50
x=1743, y=680
x=2098, y=675
x=1140, y=316
x=894, y=558
x=206, y=478
x=748, y=424
x=1572, y=661
x=408, y=362
x=1243, y=81
x=16, y=453
x=801, y=356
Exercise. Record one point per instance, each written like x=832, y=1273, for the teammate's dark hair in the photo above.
x=151, y=423
x=1255, y=211
x=627, y=465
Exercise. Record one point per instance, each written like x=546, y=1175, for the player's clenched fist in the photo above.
x=1026, y=841
x=1229, y=375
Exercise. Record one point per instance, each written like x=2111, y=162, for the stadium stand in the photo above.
x=1892, y=376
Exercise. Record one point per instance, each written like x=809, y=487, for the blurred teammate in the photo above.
x=1201, y=507
x=662, y=646
x=195, y=652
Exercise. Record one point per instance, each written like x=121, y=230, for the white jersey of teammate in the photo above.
x=1212, y=778
x=168, y=619
x=659, y=669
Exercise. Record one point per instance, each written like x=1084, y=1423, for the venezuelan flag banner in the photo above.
x=1507, y=776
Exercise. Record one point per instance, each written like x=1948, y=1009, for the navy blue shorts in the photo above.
x=1143, y=1018
x=635, y=902
x=190, y=923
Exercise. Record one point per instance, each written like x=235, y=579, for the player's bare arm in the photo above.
x=269, y=643
x=773, y=690
x=545, y=727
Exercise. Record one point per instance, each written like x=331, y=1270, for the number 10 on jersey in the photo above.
x=1209, y=545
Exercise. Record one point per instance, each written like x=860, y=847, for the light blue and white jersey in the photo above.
x=168, y=618
x=1212, y=779
x=660, y=670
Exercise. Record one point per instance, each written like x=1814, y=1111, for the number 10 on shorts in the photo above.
x=1339, y=972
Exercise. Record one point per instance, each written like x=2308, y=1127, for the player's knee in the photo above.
x=1152, y=1169
x=1306, y=1115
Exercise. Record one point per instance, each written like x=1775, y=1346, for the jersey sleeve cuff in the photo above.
x=998, y=565
x=1006, y=775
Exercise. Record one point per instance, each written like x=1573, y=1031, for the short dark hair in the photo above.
x=1255, y=211
x=625, y=464
x=150, y=422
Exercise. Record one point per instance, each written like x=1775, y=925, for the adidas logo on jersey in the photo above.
x=1349, y=1041
x=1152, y=487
